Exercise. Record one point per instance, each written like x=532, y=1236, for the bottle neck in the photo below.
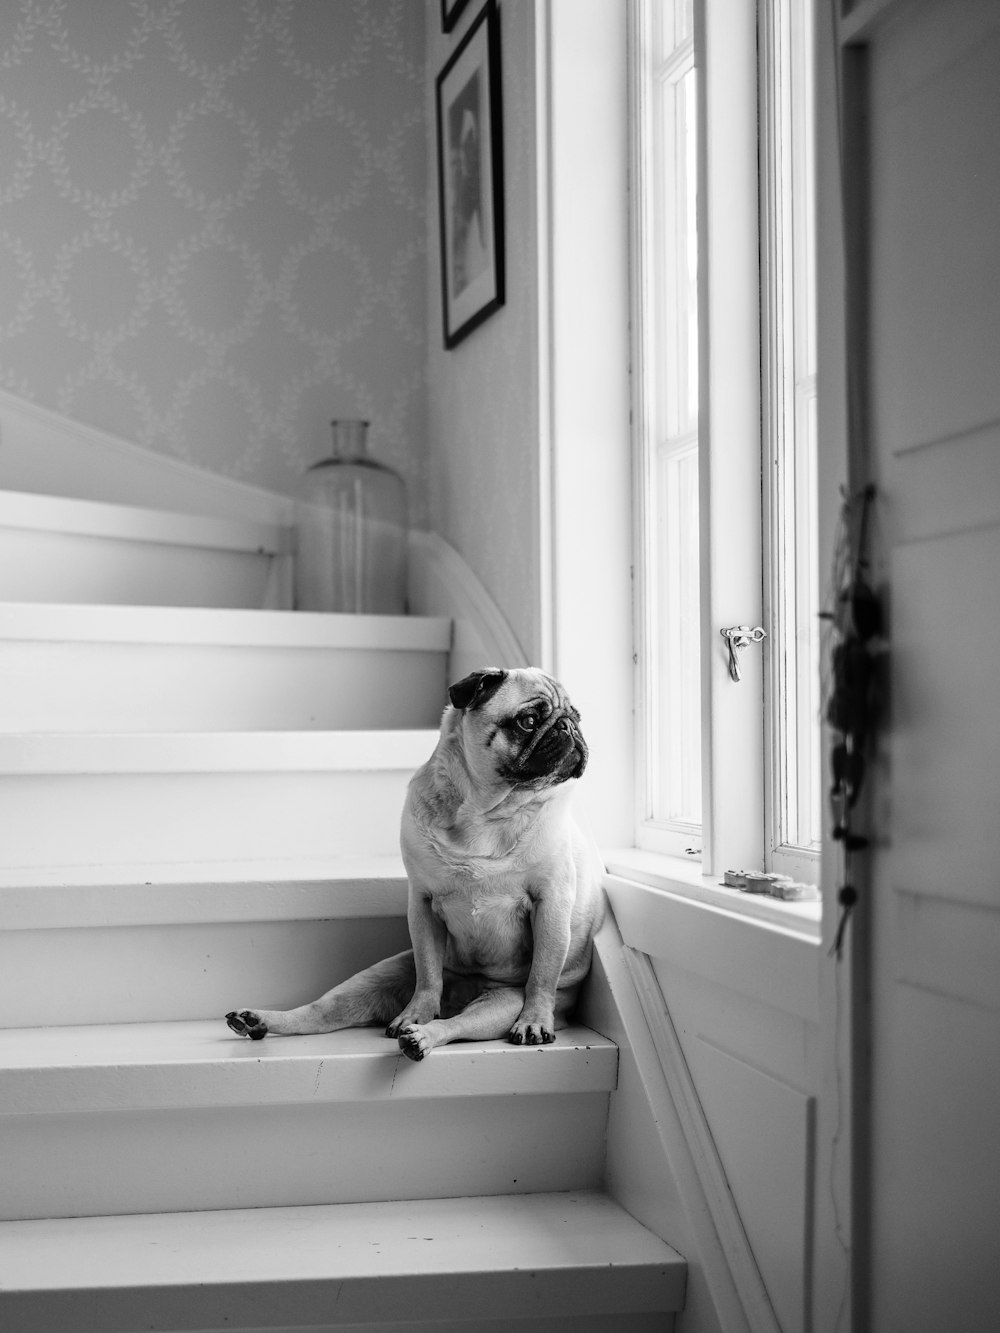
x=350, y=438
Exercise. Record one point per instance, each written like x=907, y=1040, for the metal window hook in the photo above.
x=737, y=638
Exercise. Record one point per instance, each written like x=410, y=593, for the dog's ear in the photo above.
x=474, y=690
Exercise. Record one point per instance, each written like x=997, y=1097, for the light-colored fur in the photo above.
x=504, y=888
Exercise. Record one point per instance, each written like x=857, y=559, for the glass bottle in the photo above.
x=351, y=530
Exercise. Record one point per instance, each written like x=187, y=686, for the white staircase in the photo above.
x=199, y=810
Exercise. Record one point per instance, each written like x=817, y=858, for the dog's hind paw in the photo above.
x=247, y=1024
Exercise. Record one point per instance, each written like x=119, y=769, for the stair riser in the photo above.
x=160, y=819
x=162, y=687
x=67, y=1165
x=609, y=1323
x=70, y=567
x=139, y=974
x=32, y=1315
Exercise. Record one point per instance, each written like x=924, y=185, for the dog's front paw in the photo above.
x=247, y=1024
x=419, y=1010
x=414, y=1042
x=532, y=1034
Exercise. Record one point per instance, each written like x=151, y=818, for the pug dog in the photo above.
x=504, y=887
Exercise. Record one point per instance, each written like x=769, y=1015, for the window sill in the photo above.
x=766, y=951
x=682, y=878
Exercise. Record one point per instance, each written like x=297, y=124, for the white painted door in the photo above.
x=930, y=72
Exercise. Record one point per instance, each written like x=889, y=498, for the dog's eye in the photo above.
x=528, y=722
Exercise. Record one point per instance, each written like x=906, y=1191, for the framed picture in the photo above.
x=450, y=11
x=470, y=179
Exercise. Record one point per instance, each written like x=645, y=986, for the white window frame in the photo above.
x=792, y=703
x=660, y=356
x=729, y=391
x=587, y=571
x=744, y=189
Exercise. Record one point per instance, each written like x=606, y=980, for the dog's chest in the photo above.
x=488, y=923
x=471, y=898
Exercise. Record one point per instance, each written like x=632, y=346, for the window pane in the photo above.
x=802, y=796
x=803, y=827
x=683, y=20
x=687, y=250
x=678, y=793
x=796, y=781
x=672, y=598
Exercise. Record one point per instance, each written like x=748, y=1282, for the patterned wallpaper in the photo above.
x=213, y=228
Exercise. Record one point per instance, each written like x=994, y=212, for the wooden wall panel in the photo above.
x=763, y=1131
x=945, y=745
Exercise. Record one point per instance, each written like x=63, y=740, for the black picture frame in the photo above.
x=470, y=179
x=451, y=11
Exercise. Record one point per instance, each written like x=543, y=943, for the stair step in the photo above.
x=567, y=1255
x=150, y=1066
x=66, y=667
x=86, y=754
x=137, y=799
x=57, y=549
x=193, y=893
x=193, y=1117
x=110, y=951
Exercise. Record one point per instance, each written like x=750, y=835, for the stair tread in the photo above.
x=141, y=1066
x=102, y=623
x=91, y=753
x=575, y=1253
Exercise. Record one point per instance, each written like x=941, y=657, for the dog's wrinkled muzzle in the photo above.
x=558, y=751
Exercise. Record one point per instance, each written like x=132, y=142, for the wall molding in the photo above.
x=860, y=18
x=716, y=1197
x=700, y=1240
x=442, y=584
x=949, y=485
x=50, y=454
x=948, y=948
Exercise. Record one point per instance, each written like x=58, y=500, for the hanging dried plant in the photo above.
x=852, y=688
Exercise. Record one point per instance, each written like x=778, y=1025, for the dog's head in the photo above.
x=518, y=728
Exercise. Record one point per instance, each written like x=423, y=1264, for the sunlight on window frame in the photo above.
x=792, y=687
x=670, y=777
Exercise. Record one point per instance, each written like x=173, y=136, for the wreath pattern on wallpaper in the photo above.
x=211, y=227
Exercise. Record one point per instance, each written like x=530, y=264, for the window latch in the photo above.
x=737, y=638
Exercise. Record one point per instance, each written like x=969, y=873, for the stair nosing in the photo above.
x=154, y=753
x=106, y=624
x=128, y=1067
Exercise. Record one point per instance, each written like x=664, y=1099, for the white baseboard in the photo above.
x=50, y=454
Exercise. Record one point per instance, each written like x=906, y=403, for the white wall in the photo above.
x=483, y=405
x=212, y=230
